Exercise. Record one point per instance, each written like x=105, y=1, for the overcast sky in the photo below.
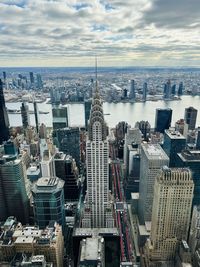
x=119, y=32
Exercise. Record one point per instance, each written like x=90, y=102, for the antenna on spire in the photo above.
x=96, y=73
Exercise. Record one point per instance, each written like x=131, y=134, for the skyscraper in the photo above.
x=87, y=105
x=167, y=90
x=31, y=77
x=174, y=143
x=172, y=203
x=48, y=198
x=36, y=113
x=190, y=117
x=132, y=90
x=4, y=123
x=153, y=158
x=60, y=117
x=163, y=119
x=180, y=88
x=191, y=159
x=144, y=93
x=198, y=139
x=13, y=193
x=98, y=211
x=25, y=115
x=68, y=141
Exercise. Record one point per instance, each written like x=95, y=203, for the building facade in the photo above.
x=4, y=122
x=163, y=119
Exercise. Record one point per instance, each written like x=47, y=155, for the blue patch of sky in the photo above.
x=116, y=38
x=18, y=3
x=99, y=28
x=106, y=5
x=79, y=6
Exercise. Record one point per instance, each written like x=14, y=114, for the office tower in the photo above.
x=180, y=89
x=173, y=91
x=144, y=93
x=184, y=255
x=14, y=189
x=198, y=139
x=163, y=119
x=60, y=117
x=190, y=117
x=4, y=123
x=36, y=113
x=153, y=158
x=68, y=141
x=39, y=81
x=30, y=241
x=33, y=173
x=4, y=75
x=174, y=143
x=48, y=198
x=87, y=105
x=132, y=90
x=172, y=203
x=47, y=164
x=181, y=127
x=31, y=77
x=98, y=212
x=167, y=90
x=191, y=159
x=42, y=131
x=10, y=148
x=65, y=168
x=120, y=130
x=25, y=115
x=125, y=93
x=144, y=127
x=92, y=252
x=132, y=137
x=194, y=236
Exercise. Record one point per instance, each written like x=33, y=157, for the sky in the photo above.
x=71, y=33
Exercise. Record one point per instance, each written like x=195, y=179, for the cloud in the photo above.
x=68, y=32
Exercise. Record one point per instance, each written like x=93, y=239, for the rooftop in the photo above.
x=154, y=151
x=174, y=134
x=92, y=249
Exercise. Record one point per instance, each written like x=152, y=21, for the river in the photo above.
x=129, y=112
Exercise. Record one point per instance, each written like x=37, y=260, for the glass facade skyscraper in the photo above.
x=163, y=119
x=4, y=122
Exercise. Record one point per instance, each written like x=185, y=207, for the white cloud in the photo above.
x=70, y=32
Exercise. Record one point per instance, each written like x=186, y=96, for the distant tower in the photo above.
x=98, y=213
x=174, y=143
x=173, y=89
x=172, y=203
x=167, y=90
x=48, y=198
x=31, y=77
x=39, y=81
x=153, y=158
x=87, y=105
x=144, y=95
x=4, y=122
x=190, y=117
x=25, y=115
x=163, y=119
x=36, y=112
x=132, y=90
x=13, y=193
x=4, y=76
x=144, y=127
x=43, y=131
x=180, y=89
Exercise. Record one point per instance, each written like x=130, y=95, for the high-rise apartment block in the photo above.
x=153, y=158
x=190, y=117
x=47, y=164
x=163, y=119
x=172, y=203
x=4, y=122
x=98, y=212
x=174, y=142
x=132, y=90
x=48, y=198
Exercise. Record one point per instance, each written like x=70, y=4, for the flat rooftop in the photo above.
x=154, y=151
x=174, y=134
x=95, y=231
x=91, y=249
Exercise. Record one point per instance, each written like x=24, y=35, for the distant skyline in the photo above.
x=69, y=33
